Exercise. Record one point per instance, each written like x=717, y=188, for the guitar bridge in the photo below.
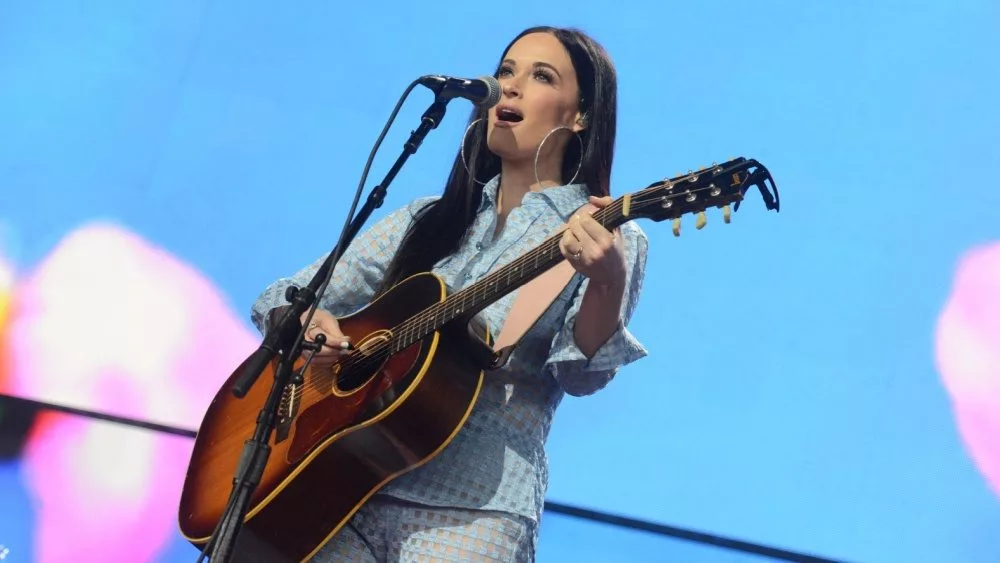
x=288, y=408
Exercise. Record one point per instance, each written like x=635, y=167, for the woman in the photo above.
x=525, y=167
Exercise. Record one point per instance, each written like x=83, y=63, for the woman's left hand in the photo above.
x=593, y=250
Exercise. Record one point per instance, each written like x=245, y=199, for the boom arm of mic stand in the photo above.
x=285, y=338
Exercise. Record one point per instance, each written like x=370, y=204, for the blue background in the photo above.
x=790, y=396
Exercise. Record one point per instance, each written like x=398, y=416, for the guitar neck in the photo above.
x=476, y=297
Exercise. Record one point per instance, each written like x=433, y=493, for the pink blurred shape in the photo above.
x=110, y=323
x=102, y=491
x=968, y=356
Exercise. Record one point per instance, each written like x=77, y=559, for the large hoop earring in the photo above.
x=538, y=152
x=465, y=162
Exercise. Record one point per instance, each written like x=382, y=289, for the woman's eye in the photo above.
x=542, y=75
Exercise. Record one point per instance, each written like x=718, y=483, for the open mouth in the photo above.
x=508, y=114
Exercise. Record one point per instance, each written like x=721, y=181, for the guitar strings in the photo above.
x=319, y=379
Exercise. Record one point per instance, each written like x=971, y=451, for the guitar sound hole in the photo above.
x=354, y=374
x=364, y=363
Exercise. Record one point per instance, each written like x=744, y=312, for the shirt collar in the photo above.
x=489, y=198
x=564, y=199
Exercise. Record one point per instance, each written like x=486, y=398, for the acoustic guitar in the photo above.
x=402, y=393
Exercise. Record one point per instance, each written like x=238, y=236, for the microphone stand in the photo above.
x=286, y=340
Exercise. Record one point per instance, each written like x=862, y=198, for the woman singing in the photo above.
x=525, y=167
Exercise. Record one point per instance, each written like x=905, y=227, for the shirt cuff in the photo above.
x=579, y=375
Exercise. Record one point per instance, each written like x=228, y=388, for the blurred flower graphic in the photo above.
x=109, y=323
x=968, y=356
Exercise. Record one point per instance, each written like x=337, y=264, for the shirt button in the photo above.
x=479, y=246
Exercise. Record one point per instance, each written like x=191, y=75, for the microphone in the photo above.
x=484, y=91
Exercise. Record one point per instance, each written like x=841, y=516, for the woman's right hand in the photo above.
x=325, y=323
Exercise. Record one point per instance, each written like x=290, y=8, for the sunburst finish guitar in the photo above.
x=404, y=391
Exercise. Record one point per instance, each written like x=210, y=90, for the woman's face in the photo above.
x=540, y=93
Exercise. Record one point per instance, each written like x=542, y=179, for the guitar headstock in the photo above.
x=718, y=185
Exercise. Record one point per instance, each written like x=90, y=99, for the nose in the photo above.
x=511, y=87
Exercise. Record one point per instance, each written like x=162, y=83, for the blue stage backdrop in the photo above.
x=822, y=380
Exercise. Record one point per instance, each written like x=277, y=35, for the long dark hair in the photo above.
x=438, y=228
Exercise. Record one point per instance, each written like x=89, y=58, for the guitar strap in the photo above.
x=532, y=300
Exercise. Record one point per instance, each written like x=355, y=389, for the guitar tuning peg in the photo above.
x=726, y=214
x=701, y=221
x=677, y=227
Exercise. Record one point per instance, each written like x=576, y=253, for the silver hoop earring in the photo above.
x=465, y=162
x=538, y=152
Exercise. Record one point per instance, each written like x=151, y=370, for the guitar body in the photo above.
x=336, y=444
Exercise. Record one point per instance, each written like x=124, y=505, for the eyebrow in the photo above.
x=536, y=65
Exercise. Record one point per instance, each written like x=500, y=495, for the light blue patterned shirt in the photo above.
x=497, y=461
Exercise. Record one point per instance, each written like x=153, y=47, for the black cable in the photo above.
x=682, y=533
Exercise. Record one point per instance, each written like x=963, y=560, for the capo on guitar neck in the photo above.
x=761, y=177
